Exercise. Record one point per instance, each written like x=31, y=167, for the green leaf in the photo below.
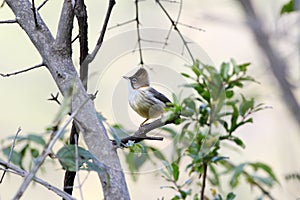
x=67, y=157
x=185, y=75
x=196, y=70
x=288, y=7
x=229, y=94
x=265, y=168
x=16, y=157
x=158, y=154
x=175, y=170
x=230, y=196
x=236, y=175
x=225, y=70
x=219, y=158
x=34, y=152
x=238, y=141
x=234, y=117
x=245, y=105
x=36, y=139
x=215, y=180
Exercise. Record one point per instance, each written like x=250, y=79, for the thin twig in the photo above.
x=42, y=4
x=47, y=150
x=173, y=23
x=77, y=167
x=92, y=55
x=202, y=197
x=22, y=71
x=23, y=173
x=75, y=38
x=121, y=24
x=171, y=27
x=191, y=27
x=34, y=14
x=9, y=21
x=10, y=153
x=138, y=31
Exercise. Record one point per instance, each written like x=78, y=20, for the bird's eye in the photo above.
x=134, y=80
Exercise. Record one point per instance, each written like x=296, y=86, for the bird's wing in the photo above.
x=159, y=95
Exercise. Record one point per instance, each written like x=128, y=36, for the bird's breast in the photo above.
x=144, y=103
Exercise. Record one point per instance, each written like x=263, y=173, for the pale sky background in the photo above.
x=273, y=137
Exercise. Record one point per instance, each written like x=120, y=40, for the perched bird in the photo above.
x=143, y=99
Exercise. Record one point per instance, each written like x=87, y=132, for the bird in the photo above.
x=144, y=99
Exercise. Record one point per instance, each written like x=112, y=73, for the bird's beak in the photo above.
x=126, y=77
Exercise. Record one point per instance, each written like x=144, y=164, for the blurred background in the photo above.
x=273, y=138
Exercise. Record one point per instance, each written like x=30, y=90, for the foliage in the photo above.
x=209, y=118
x=288, y=7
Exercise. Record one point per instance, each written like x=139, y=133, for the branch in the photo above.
x=276, y=62
x=92, y=55
x=141, y=133
x=22, y=71
x=9, y=21
x=81, y=15
x=121, y=24
x=42, y=4
x=173, y=23
x=64, y=32
x=60, y=65
x=202, y=197
x=70, y=175
x=34, y=14
x=47, y=150
x=23, y=173
x=138, y=31
x=11, y=153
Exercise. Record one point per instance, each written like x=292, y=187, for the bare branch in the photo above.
x=121, y=24
x=141, y=133
x=202, y=197
x=11, y=153
x=77, y=167
x=81, y=15
x=138, y=31
x=276, y=62
x=92, y=55
x=47, y=150
x=191, y=27
x=42, y=4
x=173, y=23
x=65, y=26
x=59, y=63
x=9, y=21
x=34, y=14
x=23, y=173
x=22, y=71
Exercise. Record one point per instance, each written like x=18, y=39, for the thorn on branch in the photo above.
x=22, y=71
x=54, y=98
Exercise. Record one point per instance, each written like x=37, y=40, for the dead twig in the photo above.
x=10, y=153
x=22, y=71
